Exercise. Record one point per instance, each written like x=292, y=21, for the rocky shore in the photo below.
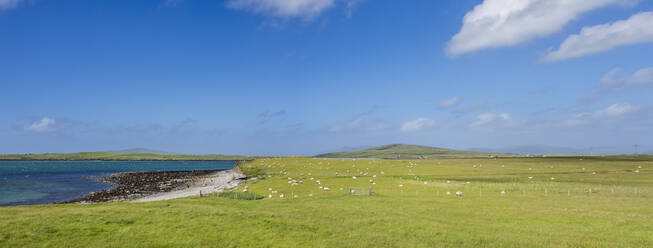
x=137, y=185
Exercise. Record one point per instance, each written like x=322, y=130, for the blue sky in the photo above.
x=310, y=76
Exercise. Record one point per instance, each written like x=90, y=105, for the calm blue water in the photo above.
x=41, y=182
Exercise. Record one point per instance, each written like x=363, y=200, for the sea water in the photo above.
x=42, y=182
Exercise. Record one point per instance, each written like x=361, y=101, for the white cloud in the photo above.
x=487, y=118
x=420, y=124
x=615, y=110
x=9, y=4
x=500, y=23
x=283, y=8
x=612, y=112
x=616, y=79
x=604, y=37
x=448, y=103
x=43, y=125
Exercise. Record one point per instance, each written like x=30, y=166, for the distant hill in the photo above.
x=536, y=149
x=402, y=151
x=139, y=151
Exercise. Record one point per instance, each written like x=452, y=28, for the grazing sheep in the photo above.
x=281, y=196
x=530, y=177
x=326, y=189
x=270, y=196
x=354, y=177
x=448, y=193
x=459, y=193
x=503, y=192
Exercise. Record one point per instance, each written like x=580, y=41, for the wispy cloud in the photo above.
x=487, y=118
x=43, y=125
x=420, y=124
x=9, y=4
x=501, y=23
x=448, y=103
x=610, y=113
x=268, y=115
x=617, y=80
x=306, y=9
x=604, y=37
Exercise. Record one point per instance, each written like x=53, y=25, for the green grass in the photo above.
x=413, y=215
x=400, y=151
x=118, y=156
x=239, y=195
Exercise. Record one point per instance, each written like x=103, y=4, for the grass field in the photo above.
x=120, y=156
x=568, y=202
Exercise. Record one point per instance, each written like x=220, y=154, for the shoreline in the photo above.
x=144, y=186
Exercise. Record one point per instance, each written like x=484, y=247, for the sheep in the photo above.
x=326, y=189
x=448, y=193
x=354, y=177
x=530, y=177
x=270, y=196
x=459, y=193
x=281, y=196
x=503, y=192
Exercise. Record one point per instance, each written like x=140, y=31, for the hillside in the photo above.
x=140, y=151
x=403, y=151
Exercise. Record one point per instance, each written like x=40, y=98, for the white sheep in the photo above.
x=459, y=193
